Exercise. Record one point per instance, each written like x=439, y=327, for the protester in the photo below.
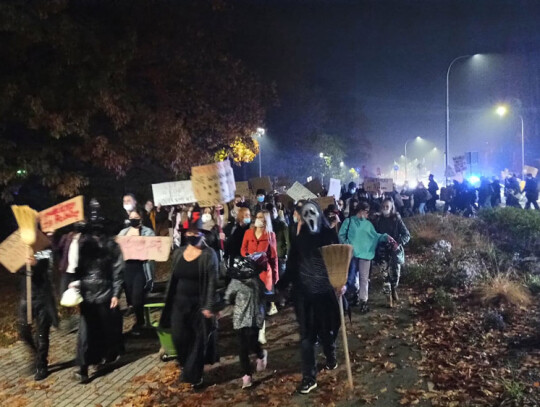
x=421, y=196
x=485, y=193
x=407, y=198
x=149, y=216
x=496, y=196
x=315, y=302
x=261, y=199
x=233, y=244
x=162, y=221
x=390, y=223
x=130, y=204
x=68, y=254
x=138, y=275
x=433, y=188
x=43, y=310
x=100, y=278
x=246, y=293
x=190, y=306
x=359, y=232
x=531, y=192
x=351, y=191
x=281, y=230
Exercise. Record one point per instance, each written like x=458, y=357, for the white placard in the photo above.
x=334, y=188
x=298, y=192
x=173, y=193
x=213, y=184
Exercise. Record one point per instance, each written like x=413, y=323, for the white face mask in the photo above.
x=148, y=208
x=386, y=212
x=206, y=217
x=128, y=207
x=259, y=223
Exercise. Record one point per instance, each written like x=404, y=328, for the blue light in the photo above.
x=473, y=179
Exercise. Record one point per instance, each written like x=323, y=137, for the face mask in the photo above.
x=260, y=198
x=148, y=208
x=386, y=211
x=135, y=223
x=259, y=223
x=193, y=240
x=128, y=207
x=353, y=190
x=206, y=217
x=247, y=221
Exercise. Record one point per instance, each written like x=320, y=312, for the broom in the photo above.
x=337, y=258
x=27, y=220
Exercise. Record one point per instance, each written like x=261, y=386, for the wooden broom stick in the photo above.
x=29, y=286
x=345, y=342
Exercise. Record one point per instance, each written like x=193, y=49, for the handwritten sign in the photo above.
x=242, y=189
x=314, y=186
x=460, y=163
x=213, y=184
x=530, y=170
x=261, y=183
x=61, y=215
x=155, y=248
x=334, y=188
x=378, y=184
x=13, y=251
x=325, y=201
x=173, y=193
x=298, y=192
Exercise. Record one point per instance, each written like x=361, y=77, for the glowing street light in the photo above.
x=502, y=110
x=321, y=155
x=259, y=133
x=418, y=138
x=342, y=164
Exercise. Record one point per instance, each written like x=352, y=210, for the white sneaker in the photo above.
x=262, y=334
x=247, y=382
x=261, y=363
x=273, y=309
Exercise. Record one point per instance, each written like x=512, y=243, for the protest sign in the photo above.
x=315, y=186
x=261, y=183
x=14, y=252
x=530, y=170
x=213, y=184
x=242, y=189
x=286, y=200
x=61, y=215
x=155, y=248
x=325, y=201
x=371, y=185
x=173, y=193
x=378, y=184
x=298, y=191
x=460, y=163
x=334, y=188
x=386, y=184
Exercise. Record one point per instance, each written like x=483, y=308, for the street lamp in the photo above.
x=502, y=111
x=260, y=132
x=406, y=159
x=448, y=111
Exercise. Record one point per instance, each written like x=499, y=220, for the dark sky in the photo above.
x=391, y=57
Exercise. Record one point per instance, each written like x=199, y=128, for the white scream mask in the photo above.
x=206, y=217
x=311, y=215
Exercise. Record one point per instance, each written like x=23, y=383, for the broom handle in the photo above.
x=345, y=342
x=29, y=287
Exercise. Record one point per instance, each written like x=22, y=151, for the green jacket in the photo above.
x=361, y=234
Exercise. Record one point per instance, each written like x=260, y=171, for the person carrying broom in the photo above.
x=315, y=301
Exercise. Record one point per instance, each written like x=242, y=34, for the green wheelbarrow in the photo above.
x=167, y=351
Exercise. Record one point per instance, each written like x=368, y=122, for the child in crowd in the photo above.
x=246, y=293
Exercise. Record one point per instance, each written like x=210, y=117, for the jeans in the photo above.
x=358, y=278
x=422, y=208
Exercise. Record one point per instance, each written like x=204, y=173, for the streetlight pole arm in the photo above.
x=522, y=145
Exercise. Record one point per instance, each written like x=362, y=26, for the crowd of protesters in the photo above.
x=252, y=257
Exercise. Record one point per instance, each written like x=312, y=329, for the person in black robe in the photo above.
x=99, y=275
x=315, y=301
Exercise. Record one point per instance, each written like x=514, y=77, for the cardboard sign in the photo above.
x=298, y=192
x=13, y=252
x=315, y=186
x=242, y=188
x=173, y=193
x=530, y=170
x=261, y=183
x=378, y=184
x=460, y=163
x=325, y=202
x=334, y=188
x=61, y=215
x=155, y=248
x=213, y=184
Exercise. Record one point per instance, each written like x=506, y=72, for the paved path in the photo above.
x=17, y=387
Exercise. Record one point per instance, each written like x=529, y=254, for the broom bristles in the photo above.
x=27, y=220
x=337, y=258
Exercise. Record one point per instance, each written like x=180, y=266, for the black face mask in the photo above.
x=135, y=223
x=193, y=240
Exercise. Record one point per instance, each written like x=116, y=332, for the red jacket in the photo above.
x=267, y=244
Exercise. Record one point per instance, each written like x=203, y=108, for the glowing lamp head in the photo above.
x=501, y=110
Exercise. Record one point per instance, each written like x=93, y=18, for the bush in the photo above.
x=501, y=291
x=533, y=283
x=512, y=229
x=443, y=301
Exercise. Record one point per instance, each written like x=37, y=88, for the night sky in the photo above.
x=388, y=60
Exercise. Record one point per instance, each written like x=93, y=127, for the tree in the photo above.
x=108, y=85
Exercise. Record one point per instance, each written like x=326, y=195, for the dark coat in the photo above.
x=282, y=237
x=233, y=245
x=531, y=189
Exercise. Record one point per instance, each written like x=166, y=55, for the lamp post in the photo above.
x=448, y=112
x=406, y=159
x=502, y=111
x=260, y=132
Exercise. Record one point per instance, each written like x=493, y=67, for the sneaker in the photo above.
x=41, y=374
x=261, y=363
x=273, y=309
x=331, y=364
x=198, y=385
x=364, y=308
x=262, y=335
x=80, y=377
x=307, y=385
x=246, y=382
